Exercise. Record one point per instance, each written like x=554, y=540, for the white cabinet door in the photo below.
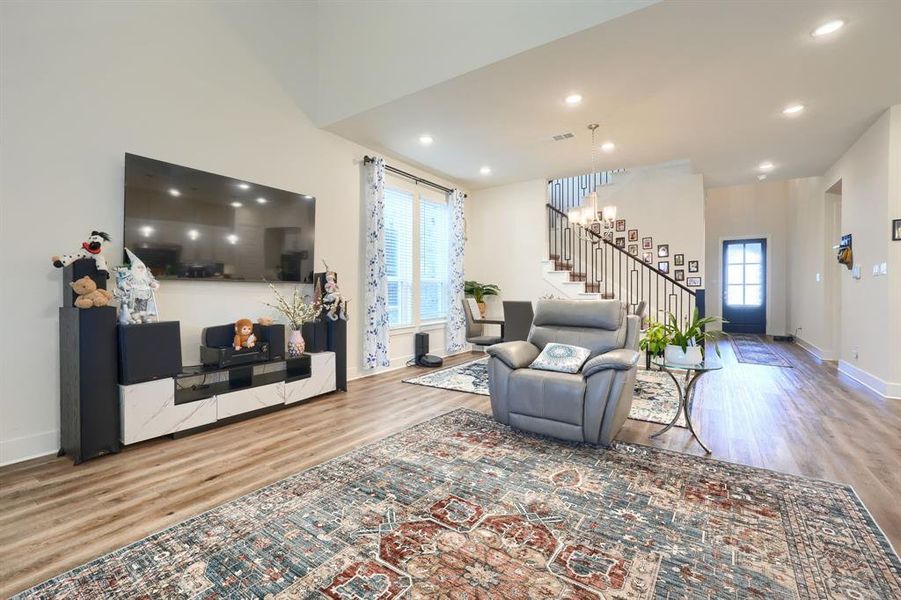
x=148, y=410
x=242, y=401
x=321, y=380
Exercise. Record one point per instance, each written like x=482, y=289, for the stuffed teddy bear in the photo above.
x=88, y=294
x=244, y=337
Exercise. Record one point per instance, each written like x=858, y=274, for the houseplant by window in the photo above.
x=479, y=290
x=686, y=343
x=297, y=311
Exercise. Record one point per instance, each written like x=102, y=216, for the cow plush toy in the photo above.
x=91, y=248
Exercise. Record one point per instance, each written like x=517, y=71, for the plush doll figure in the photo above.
x=244, y=337
x=135, y=289
x=89, y=295
x=334, y=304
x=91, y=248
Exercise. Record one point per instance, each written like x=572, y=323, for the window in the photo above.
x=433, y=252
x=416, y=255
x=744, y=274
x=399, y=256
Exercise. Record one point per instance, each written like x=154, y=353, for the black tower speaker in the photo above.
x=149, y=351
x=274, y=335
x=89, y=396
x=421, y=353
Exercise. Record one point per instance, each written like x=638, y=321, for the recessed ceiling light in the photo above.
x=261, y=200
x=174, y=192
x=146, y=230
x=244, y=186
x=193, y=234
x=766, y=166
x=762, y=176
x=793, y=109
x=426, y=140
x=232, y=238
x=574, y=99
x=486, y=170
x=608, y=146
x=237, y=204
x=828, y=27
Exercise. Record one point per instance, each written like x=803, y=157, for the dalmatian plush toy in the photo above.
x=89, y=249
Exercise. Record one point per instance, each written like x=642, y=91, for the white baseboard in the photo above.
x=886, y=389
x=814, y=350
x=398, y=363
x=28, y=446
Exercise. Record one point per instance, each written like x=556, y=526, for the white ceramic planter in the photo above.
x=675, y=356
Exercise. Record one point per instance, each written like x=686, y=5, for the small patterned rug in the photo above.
x=655, y=399
x=463, y=507
x=756, y=350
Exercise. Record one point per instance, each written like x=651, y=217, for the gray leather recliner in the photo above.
x=590, y=406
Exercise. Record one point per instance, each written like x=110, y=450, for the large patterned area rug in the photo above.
x=462, y=507
x=655, y=399
x=755, y=350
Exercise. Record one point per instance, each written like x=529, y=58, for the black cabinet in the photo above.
x=89, y=392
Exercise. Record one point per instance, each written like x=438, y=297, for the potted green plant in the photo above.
x=478, y=291
x=655, y=339
x=686, y=343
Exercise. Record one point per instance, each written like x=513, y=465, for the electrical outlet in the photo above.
x=883, y=268
x=855, y=352
x=855, y=272
x=818, y=277
x=875, y=270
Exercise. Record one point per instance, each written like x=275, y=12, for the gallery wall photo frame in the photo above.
x=620, y=242
x=663, y=251
x=647, y=243
x=896, y=230
x=663, y=266
x=648, y=257
x=693, y=282
x=633, y=249
x=633, y=235
x=678, y=260
x=692, y=266
x=679, y=274
x=620, y=225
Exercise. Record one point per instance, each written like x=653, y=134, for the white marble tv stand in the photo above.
x=204, y=397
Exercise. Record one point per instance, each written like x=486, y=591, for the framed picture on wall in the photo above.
x=633, y=235
x=633, y=249
x=647, y=243
x=692, y=266
x=608, y=235
x=596, y=227
x=620, y=224
x=648, y=257
x=678, y=260
x=663, y=251
x=693, y=282
x=621, y=242
x=663, y=266
x=679, y=274
x=896, y=230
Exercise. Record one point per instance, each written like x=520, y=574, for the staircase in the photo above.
x=583, y=265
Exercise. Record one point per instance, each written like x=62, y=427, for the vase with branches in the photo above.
x=297, y=310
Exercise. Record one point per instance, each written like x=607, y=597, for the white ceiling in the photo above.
x=704, y=81
x=340, y=58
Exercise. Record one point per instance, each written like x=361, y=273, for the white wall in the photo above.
x=83, y=83
x=869, y=322
x=750, y=211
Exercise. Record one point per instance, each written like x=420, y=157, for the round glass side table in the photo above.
x=686, y=390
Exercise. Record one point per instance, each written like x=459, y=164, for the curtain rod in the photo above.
x=396, y=171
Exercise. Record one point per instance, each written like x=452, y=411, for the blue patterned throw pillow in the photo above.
x=562, y=358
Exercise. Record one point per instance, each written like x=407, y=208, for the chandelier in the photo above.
x=587, y=214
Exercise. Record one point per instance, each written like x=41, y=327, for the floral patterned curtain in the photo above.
x=456, y=321
x=375, y=330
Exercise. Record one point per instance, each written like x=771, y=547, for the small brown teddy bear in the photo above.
x=244, y=337
x=88, y=294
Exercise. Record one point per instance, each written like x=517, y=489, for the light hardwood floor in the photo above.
x=53, y=516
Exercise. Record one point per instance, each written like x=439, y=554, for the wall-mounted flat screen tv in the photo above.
x=189, y=224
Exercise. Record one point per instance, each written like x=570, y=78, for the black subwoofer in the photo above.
x=149, y=351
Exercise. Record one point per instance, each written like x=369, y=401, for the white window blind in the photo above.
x=433, y=251
x=399, y=256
